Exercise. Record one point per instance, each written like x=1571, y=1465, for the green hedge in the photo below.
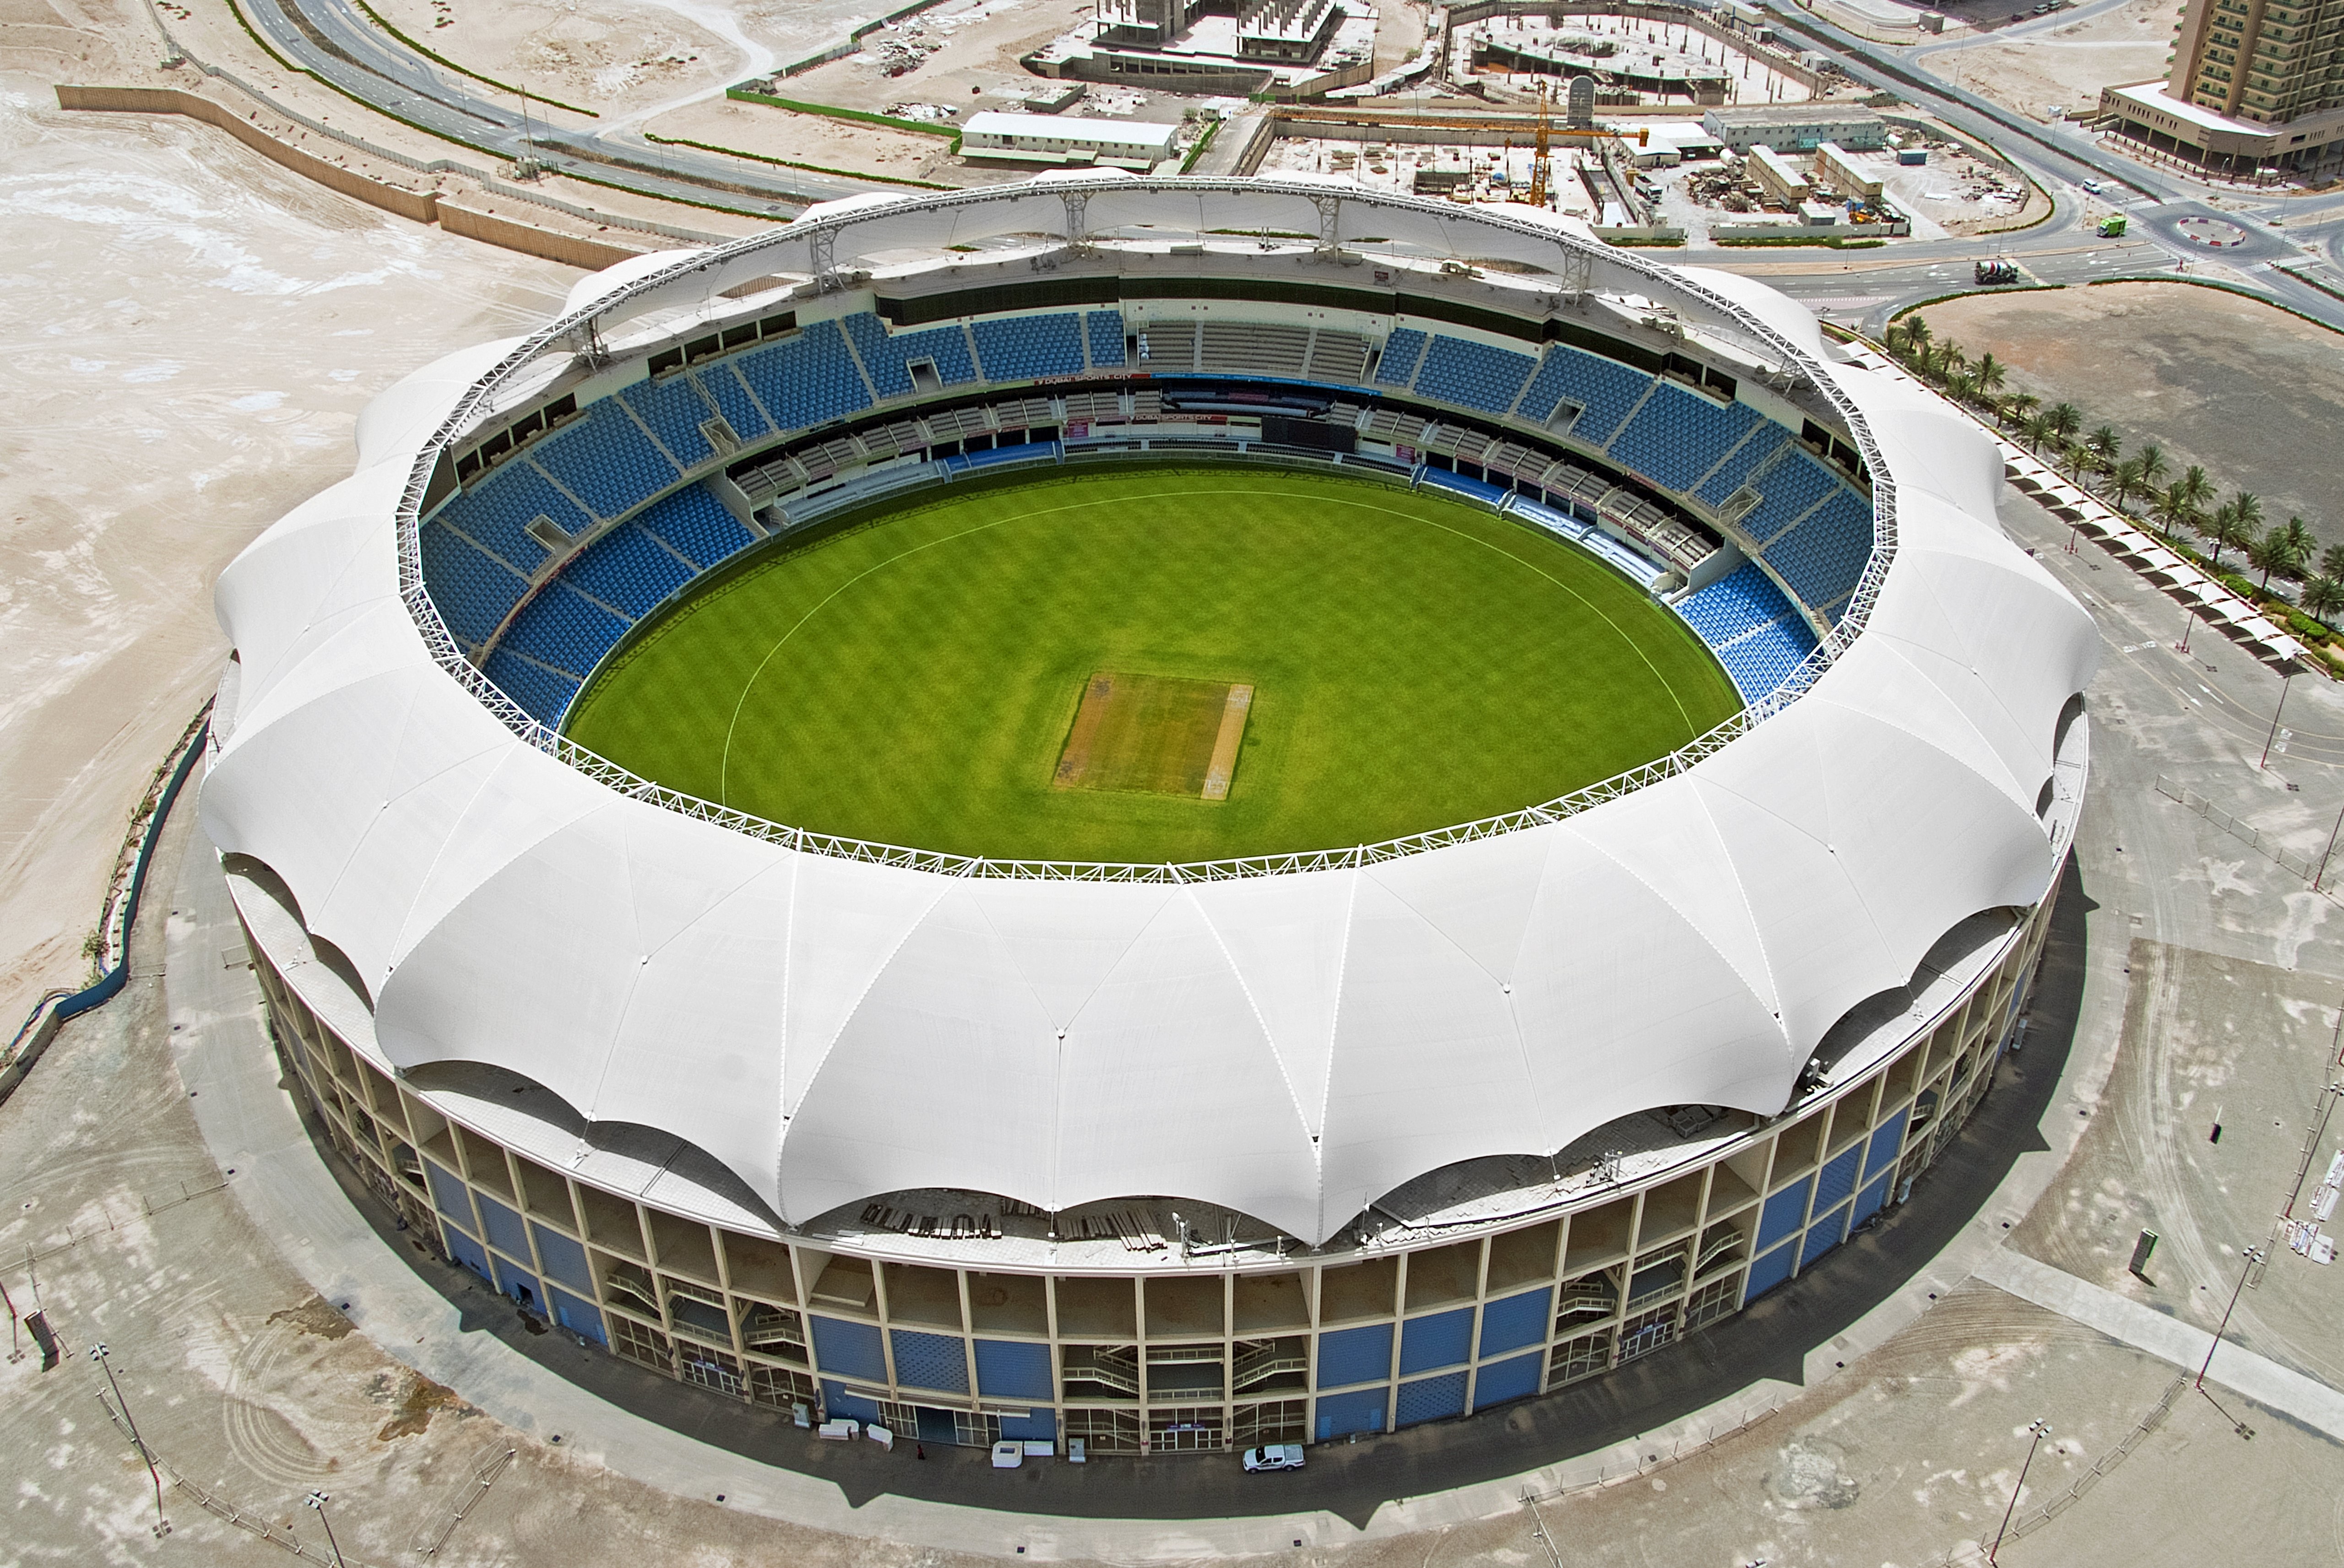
x=794, y=164
x=800, y=106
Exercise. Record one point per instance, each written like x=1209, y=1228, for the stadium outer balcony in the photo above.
x=965, y=1317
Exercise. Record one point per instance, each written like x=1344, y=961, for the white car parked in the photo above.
x=1275, y=1456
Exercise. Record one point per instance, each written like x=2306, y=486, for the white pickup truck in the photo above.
x=1274, y=1456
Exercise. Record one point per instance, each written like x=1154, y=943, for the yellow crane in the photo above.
x=1541, y=157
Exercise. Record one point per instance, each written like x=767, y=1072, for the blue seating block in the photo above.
x=626, y=570
x=1403, y=352
x=563, y=630
x=726, y=389
x=1473, y=374
x=1480, y=489
x=1734, y=605
x=542, y=694
x=888, y=356
x=473, y=591
x=672, y=410
x=1605, y=390
x=1739, y=464
x=1029, y=348
x=694, y=524
x=806, y=380
x=1103, y=330
x=604, y=459
x=495, y=513
x=1794, y=484
x=1678, y=435
x=1823, y=556
x=1766, y=657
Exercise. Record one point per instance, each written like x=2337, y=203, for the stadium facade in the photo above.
x=1156, y=1157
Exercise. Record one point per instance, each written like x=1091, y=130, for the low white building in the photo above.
x=1048, y=139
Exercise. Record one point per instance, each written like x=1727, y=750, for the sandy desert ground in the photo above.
x=2240, y=386
x=190, y=331
x=2066, y=67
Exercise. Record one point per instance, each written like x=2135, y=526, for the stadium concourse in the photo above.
x=1146, y=1156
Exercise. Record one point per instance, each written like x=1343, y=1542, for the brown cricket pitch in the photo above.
x=1154, y=734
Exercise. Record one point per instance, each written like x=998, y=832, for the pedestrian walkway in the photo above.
x=2258, y=1378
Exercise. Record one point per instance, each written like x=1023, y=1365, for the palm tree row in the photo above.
x=2181, y=502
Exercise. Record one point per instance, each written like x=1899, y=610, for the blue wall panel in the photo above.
x=465, y=1250
x=1770, y=1271
x=1008, y=1370
x=1355, y=1355
x=579, y=1317
x=1868, y=1201
x=1442, y=1340
x=448, y=1196
x=1836, y=1181
x=507, y=1234
x=1430, y=1399
x=1784, y=1213
x=839, y=1405
x=1513, y=1322
x=564, y=1258
x=517, y=1281
x=930, y=1361
x=1342, y=1415
x=1886, y=1140
x=847, y=1349
x=1501, y=1381
x=1823, y=1235
x=1033, y=1428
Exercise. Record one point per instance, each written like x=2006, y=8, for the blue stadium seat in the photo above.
x=1605, y=390
x=1029, y=348
x=806, y=380
x=1791, y=484
x=1762, y=659
x=1823, y=556
x=1678, y=435
x=540, y=692
x=563, y=630
x=604, y=459
x=1403, y=352
x=1480, y=489
x=1473, y=374
x=1739, y=464
x=726, y=389
x=672, y=410
x=1733, y=606
x=626, y=570
x=495, y=513
x=1103, y=331
x=474, y=592
x=695, y=525
x=888, y=356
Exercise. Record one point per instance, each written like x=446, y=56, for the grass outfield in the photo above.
x=1415, y=662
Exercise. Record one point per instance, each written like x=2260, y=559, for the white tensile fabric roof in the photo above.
x=1290, y=1046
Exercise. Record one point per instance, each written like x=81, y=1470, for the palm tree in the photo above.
x=2035, y=429
x=2300, y=544
x=2274, y=552
x=2153, y=466
x=2225, y=527
x=2195, y=488
x=2066, y=419
x=1989, y=374
x=2126, y=478
x=2250, y=508
x=2018, y=406
x=1947, y=359
x=1912, y=334
x=2323, y=596
x=1961, y=386
x=2105, y=447
x=2331, y=562
x=2172, y=510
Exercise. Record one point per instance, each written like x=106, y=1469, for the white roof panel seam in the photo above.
x=1245, y=987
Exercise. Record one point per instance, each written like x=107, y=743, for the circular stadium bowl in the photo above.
x=1152, y=1156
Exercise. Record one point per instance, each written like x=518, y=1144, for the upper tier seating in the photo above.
x=695, y=525
x=1734, y=605
x=474, y=591
x=1678, y=435
x=1403, y=352
x=563, y=630
x=542, y=694
x=1790, y=484
x=1739, y=464
x=1473, y=374
x=628, y=569
x=888, y=356
x=1103, y=331
x=672, y=410
x=1824, y=555
x=805, y=380
x=1029, y=348
x=495, y=511
x=604, y=459
x=1605, y=390
x=731, y=395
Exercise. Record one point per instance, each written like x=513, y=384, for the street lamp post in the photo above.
x=2273, y=736
x=2252, y=1256
x=317, y=1500
x=101, y=1355
x=2036, y=1431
